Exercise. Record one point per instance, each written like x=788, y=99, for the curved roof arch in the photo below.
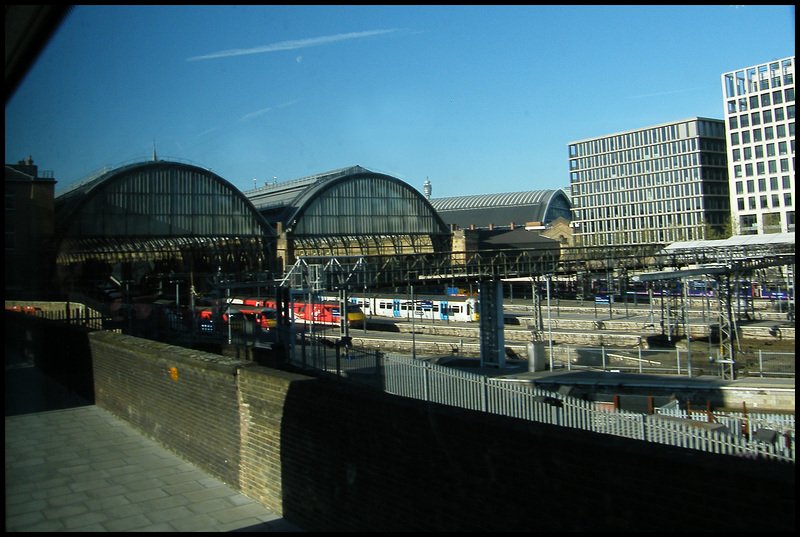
x=158, y=199
x=351, y=201
x=502, y=209
x=172, y=216
x=363, y=203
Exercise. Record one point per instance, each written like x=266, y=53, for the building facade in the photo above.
x=759, y=125
x=659, y=184
x=29, y=230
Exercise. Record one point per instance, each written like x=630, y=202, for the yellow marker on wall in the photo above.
x=173, y=373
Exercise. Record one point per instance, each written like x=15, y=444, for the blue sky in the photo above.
x=478, y=100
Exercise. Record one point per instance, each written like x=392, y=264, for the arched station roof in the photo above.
x=156, y=210
x=353, y=209
x=503, y=209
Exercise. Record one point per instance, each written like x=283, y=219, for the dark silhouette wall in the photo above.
x=329, y=456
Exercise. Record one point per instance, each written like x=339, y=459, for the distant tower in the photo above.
x=427, y=189
x=154, y=151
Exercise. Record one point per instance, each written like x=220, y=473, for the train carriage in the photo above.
x=458, y=309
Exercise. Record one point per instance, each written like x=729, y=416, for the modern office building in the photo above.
x=759, y=124
x=658, y=184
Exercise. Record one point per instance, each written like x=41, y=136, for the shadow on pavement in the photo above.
x=28, y=390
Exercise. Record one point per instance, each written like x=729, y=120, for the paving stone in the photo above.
x=82, y=469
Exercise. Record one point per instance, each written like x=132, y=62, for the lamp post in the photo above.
x=549, y=323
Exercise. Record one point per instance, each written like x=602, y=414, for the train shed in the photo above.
x=158, y=218
x=349, y=212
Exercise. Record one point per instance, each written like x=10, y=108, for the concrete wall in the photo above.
x=330, y=456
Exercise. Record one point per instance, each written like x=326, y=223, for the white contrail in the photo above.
x=251, y=115
x=663, y=93
x=291, y=45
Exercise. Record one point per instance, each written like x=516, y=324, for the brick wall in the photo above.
x=184, y=399
x=334, y=457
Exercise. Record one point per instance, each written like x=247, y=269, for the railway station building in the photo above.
x=349, y=212
x=530, y=219
x=147, y=224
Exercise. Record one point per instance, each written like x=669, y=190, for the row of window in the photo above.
x=786, y=184
x=646, y=166
x=686, y=206
x=769, y=133
x=645, y=137
x=761, y=168
x=767, y=116
x=771, y=222
x=638, y=195
x=762, y=202
x=765, y=99
x=758, y=151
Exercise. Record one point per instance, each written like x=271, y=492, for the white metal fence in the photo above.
x=745, y=436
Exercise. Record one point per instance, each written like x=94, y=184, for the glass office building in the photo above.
x=659, y=184
x=759, y=124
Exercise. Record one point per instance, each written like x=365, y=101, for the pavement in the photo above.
x=72, y=466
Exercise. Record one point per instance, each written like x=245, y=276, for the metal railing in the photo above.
x=701, y=360
x=404, y=376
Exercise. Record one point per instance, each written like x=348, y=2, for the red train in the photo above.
x=325, y=312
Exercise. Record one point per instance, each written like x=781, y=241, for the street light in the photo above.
x=549, y=322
